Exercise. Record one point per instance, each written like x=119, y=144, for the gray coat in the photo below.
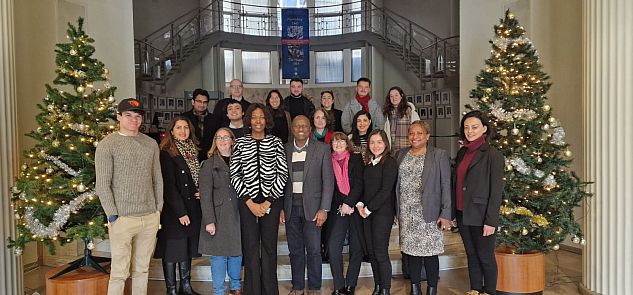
x=218, y=200
x=436, y=184
x=318, y=179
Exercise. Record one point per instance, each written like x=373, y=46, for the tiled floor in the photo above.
x=563, y=276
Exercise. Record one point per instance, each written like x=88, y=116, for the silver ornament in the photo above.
x=583, y=242
x=576, y=240
x=15, y=189
x=49, y=170
x=17, y=251
x=24, y=167
x=524, y=231
x=90, y=245
x=81, y=188
x=546, y=127
x=515, y=131
x=82, y=127
x=539, y=160
x=80, y=89
x=110, y=99
x=95, y=143
x=556, y=247
x=567, y=153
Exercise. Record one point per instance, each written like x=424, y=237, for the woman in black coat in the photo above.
x=377, y=207
x=477, y=190
x=181, y=216
x=348, y=170
x=327, y=103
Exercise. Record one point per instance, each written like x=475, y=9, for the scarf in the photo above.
x=319, y=136
x=200, y=116
x=462, y=168
x=189, y=151
x=340, y=164
x=364, y=101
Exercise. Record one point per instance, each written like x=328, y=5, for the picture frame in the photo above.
x=439, y=112
x=427, y=99
x=429, y=113
x=446, y=98
x=162, y=103
x=166, y=117
x=171, y=103
x=448, y=112
x=423, y=113
x=180, y=104
x=438, y=99
x=410, y=98
x=418, y=99
x=154, y=101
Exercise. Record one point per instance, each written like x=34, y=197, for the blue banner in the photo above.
x=295, y=43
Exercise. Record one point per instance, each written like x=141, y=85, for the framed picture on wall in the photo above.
x=180, y=104
x=167, y=117
x=171, y=103
x=429, y=113
x=439, y=112
x=410, y=98
x=423, y=113
x=418, y=99
x=438, y=99
x=446, y=98
x=162, y=103
x=448, y=111
x=427, y=99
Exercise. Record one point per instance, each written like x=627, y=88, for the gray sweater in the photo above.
x=128, y=176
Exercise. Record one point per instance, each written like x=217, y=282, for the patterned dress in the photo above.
x=417, y=238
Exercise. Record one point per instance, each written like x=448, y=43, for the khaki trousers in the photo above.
x=132, y=241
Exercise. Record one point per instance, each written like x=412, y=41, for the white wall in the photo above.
x=153, y=14
x=555, y=28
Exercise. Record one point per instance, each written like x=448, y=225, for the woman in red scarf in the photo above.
x=348, y=170
x=477, y=189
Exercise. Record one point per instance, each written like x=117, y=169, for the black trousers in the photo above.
x=259, y=250
x=304, y=244
x=431, y=265
x=480, y=252
x=339, y=227
x=377, y=230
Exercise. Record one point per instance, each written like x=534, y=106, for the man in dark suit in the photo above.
x=204, y=122
x=307, y=200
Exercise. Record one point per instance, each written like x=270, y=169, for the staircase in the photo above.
x=161, y=54
x=454, y=257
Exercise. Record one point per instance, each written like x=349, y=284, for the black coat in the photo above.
x=205, y=138
x=355, y=175
x=380, y=183
x=482, y=186
x=220, y=110
x=180, y=200
x=338, y=126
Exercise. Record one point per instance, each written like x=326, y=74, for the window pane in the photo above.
x=356, y=64
x=328, y=6
x=228, y=65
x=328, y=25
x=329, y=67
x=256, y=67
x=292, y=3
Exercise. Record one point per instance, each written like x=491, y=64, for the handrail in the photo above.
x=178, y=18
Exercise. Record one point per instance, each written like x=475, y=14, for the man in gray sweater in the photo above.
x=130, y=187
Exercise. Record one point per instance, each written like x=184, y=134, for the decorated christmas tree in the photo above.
x=540, y=192
x=53, y=197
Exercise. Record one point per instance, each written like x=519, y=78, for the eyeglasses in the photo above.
x=236, y=86
x=339, y=142
x=202, y=101
x=224, y=138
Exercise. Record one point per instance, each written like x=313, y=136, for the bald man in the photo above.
x=236, y=92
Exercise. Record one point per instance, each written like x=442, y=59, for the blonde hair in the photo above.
x=214, y=146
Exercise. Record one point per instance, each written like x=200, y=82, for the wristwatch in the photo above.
x=112, y=218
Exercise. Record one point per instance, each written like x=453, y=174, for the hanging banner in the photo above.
x=295, y=43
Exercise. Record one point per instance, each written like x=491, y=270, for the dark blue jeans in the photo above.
x=304, y=243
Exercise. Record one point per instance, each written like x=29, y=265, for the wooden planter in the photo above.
x=520, y=273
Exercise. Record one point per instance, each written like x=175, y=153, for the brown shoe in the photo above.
x=296, y=292
x=236, y=292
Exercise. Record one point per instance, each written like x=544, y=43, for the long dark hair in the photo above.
x=279, y=112
x=168, y=144
x=385, y=139
x=403, y=107
x=329, y=122
x=490, y=132
x=355, y=134
x=249, y=114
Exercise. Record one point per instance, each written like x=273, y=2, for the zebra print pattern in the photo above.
x=259, y=170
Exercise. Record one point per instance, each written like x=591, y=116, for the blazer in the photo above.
x=482, y=186
x=218, y=200
x=380, y=180
x=436, y=184
x=318, y=179
x=179, y=197
x=355, y=175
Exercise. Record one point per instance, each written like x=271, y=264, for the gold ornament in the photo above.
x=583, y=242
x=24, y=167
x=509, y=167
x=567, y=153
x=576, y=240
x=551, y=120
x=546, y=108
x=95, y=143
x=555, y=247
x=539, y=160
x=73, y=52
x=80, y=89
x=55, y=143
x=515, y=131
x=524, y=231
x=110, y=99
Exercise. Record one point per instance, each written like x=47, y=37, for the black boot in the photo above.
x=349, y=290
x=169, y=271
x=339, y=292
x=185, y=278
x=376, y=290
x=415, y=289
x=431, y=290
x=385, y=292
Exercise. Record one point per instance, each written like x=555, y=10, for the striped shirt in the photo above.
x=259, y=170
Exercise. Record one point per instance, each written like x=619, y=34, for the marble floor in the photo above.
x=564, y=273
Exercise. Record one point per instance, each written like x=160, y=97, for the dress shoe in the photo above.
x=415, y=289
x=385, y=292
x=349, y=290
x=431, y=290
x=339, y=292
x=376, y=290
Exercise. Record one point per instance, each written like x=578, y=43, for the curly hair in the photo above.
x=268, y=117
x=403, y=107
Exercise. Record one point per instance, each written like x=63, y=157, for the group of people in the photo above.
x=221, y=183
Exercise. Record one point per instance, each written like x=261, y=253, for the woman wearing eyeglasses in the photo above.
x=348, y=171
x=220, y=231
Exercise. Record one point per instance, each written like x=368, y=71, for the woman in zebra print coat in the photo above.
x=259, y=173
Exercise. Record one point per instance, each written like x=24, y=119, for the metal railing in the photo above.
x=423, y=52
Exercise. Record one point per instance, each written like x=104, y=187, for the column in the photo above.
x=11, y=273
x=608, y=127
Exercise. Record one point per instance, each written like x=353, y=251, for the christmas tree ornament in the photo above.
x=81, y=188
x=55, y=143
x=24, y=167
x=556, y=247
x=575, y=240
x=90, y=245
x=546, y=127
x=524, y=231
x=567, y=153
x=17, y=251
x=80, y=89
x=49, y=170
x=111, y=99
x=583, y=242
x=73, y=52
x=515, y=131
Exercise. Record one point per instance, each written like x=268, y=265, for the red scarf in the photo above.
x=462, y=168
x=340, y=164
x=364, y=101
